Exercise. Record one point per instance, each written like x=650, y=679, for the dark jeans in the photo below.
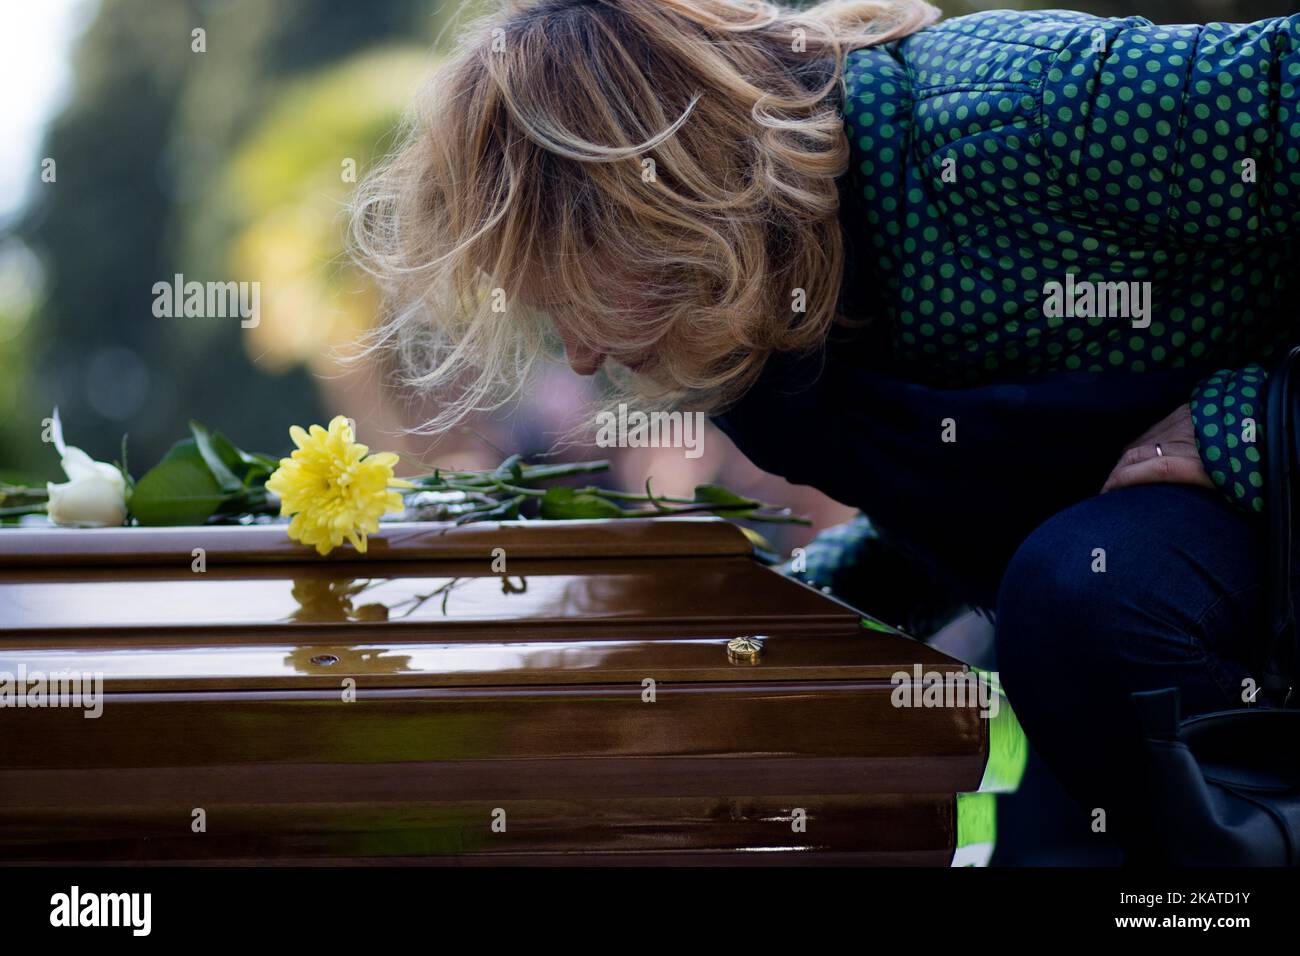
x=1179, y=604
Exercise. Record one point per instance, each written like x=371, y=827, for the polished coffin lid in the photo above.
x=579, y=602
x=223, y=688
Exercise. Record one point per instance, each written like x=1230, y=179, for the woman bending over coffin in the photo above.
x=1006, y=282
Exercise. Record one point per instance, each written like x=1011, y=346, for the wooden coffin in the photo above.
x=416, y=705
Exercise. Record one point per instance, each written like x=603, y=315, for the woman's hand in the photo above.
x=1164, y=454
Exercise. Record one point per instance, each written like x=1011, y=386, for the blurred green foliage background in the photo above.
x=220, y=165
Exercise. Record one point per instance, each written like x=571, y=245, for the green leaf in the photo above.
x=246, y=467
x=180, y=489
x=216, y=458
x=24, y=479
x=258, y=462
x=718, y=495
x=564, y=502
x=729, y=504
x=250, y=466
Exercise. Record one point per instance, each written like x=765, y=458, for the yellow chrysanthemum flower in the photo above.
x=334, y=487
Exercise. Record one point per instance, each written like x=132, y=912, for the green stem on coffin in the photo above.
x=17, y=501
x=19, y=511
x=501, y=492
x=9, y=492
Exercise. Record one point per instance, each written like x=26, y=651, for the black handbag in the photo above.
x=1225, y=786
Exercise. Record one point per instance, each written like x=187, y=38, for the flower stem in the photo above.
x=19, y=510
x=23, y=491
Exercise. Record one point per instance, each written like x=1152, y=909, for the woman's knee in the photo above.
x=1049, y=603
x=1113, y=594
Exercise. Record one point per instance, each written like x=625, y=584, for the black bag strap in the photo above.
x=1280, y=449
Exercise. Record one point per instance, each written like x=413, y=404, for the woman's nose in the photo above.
x=583, y=360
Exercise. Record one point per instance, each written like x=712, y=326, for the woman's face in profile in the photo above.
x=629, y=311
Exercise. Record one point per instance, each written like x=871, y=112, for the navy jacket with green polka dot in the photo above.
x=1155, y=169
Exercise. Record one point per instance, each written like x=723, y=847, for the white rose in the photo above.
x=93, y=496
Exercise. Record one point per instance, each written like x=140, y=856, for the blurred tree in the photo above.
x=140, y=151
x=285, y=190
x=20, y=282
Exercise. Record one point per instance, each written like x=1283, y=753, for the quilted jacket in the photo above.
x=1052, y=192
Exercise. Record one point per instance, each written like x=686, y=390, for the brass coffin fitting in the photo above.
x=744, y=650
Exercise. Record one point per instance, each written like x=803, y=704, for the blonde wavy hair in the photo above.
x=655, y=176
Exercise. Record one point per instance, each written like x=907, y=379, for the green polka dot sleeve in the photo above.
x=1002, y=162
x=1227, y=416
x=1183, y=132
